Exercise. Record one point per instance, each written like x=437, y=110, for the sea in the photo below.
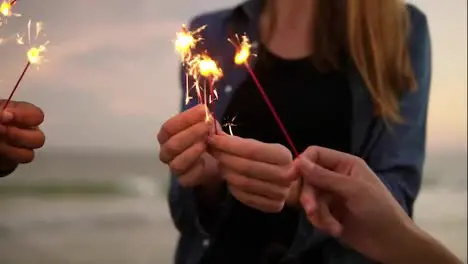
x=110, y=208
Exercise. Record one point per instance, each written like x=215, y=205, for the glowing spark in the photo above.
x=35, y=52
x=244, y=48
x=186, y=41
x=209, y=69
x=6, y=11
x=230, y=125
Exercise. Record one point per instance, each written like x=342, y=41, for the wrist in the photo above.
x=417, y=246
x=401, y=245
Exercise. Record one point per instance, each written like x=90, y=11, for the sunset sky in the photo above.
x=111, y=78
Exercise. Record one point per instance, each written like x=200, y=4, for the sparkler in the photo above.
x=198, y=66
x=6, y=11
x=34, y=56
x=230, y=124
x=210, y=70
x=241, y=57
x=185, y=43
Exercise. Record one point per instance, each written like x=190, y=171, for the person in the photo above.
x=365, y=215
x=20, y=134
x=352, y=76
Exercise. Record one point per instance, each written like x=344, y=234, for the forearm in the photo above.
x=416, y=246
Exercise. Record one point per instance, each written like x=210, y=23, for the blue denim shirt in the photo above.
x=396, y=154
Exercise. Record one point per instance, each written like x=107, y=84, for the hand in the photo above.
x=257, y=174
x=294, y=193
x=19, y=133
x=182, y=142
x=354, y=205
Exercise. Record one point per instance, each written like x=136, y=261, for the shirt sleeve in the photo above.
x=399, y=154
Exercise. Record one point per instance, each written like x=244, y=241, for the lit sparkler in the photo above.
x=6, y=11
x=34, y=56
x=185, y=43
x=202, y=66
x=198, y=66
x=210, y=70
x=243, y=47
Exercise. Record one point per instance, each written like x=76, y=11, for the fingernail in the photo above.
x=6, y=116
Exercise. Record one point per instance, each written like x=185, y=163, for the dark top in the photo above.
x=315, y=109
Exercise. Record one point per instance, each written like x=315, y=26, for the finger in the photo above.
x=257, y=202
x=217, y=129
x=308, y=199
x=183, y=140
x=327, y=221
x=254, y=186
x=24, y=114
x=324, y=179
x=251, y=149
x=17, y=155
x=183, y=162
x=192, y=177
x=254, y=169
x=181, y=122
x=24, y=138
x=327, y=158
x=6, y=117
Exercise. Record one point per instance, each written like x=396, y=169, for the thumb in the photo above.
x=6, y=117
x=324, y=179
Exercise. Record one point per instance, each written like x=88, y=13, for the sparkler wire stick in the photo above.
x=213, y=104
x=272, y=109
x=26, y=67
x=241, y=58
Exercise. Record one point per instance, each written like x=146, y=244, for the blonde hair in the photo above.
x=374, y=34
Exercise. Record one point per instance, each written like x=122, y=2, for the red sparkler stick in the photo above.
x=17, y=85
x=12, y=2
x=272, y=109
x=213, y=105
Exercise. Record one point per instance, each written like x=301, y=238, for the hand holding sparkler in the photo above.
x=183, y=146
x=258, y=174
x=19, y=134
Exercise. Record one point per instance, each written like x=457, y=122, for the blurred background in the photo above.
x=96, y=193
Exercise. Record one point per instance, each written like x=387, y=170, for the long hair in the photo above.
x=374, y=34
